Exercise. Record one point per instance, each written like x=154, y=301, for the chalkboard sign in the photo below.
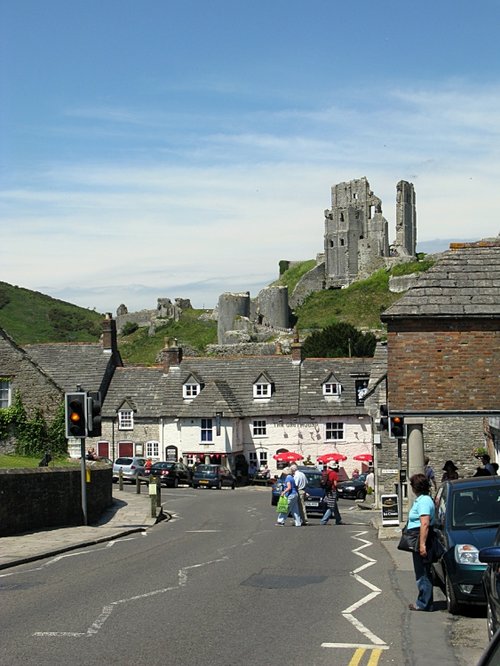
x=390, y=510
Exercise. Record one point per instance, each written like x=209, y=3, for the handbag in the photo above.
x=409, y=540
x=282, y=506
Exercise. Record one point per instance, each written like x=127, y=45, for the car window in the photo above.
x=313, y=480
x=123, y=461
x=476, y=506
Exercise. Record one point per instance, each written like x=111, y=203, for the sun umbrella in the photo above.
x=287, y=456
x=331, y=457
x=364, y=457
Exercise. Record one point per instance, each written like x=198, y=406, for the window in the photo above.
x=331, y=388
x=263, y=457
x=152, y=450
x=259, y=429
x=334, y=430
x=206, y=430
x=252, y=457
x=125, y=419
x=4, y=393
x=262, y=390
x=361, y=390
x=190, y=390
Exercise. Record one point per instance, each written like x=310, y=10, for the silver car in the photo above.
x=130, y=467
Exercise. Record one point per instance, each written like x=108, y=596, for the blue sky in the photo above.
x=182, y=148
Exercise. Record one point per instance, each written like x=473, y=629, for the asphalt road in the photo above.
x=219, y=583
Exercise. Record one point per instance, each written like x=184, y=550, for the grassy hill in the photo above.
x=29, y=316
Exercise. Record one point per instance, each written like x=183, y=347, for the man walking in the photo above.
x=330, y=479
x=301, y=482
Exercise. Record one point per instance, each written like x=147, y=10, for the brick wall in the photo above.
x=38, y=498
x=444, y=366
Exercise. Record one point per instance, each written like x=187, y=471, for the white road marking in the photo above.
x=366, y=646
x=375, y=591
x=96, y=626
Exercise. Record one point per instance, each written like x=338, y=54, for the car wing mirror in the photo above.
x=490, y=555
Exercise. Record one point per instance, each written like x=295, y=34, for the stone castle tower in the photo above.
x=356, y=241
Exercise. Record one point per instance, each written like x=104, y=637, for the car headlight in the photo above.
x=348, y=488
x=465, y=553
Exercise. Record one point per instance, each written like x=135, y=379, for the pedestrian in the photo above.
x=301, y=482
x=252, y=471
x=429, y=473
x=148, y=464
x=370, y=482
x=290, y=492
x=450, y=471
x=421, y=515
x=91, y=454
x=486, y=460
x=329, y=481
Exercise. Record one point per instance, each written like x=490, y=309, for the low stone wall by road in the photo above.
x=32, y=499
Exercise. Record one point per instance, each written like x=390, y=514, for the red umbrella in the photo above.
x=287, y=456
x=331, y=457
x=364, y=457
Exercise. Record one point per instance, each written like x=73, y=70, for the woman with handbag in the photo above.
x=291, y=494
x=421, y=515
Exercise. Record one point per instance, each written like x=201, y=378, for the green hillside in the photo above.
x=30, y=317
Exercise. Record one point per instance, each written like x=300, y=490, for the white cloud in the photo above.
x=231, y=204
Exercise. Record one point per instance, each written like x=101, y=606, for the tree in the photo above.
x=339, y=340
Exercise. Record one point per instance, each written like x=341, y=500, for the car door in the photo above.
x=440, y=526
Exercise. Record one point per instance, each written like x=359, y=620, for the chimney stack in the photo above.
x=109, y=344
x=171, y=356
x=296, y=350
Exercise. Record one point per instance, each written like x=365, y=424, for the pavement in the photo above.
x=129, y=513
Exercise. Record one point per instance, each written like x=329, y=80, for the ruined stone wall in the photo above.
x=230, y=308
x=165, y=310
x=313, y=280
x=273, y=307
x=406, y=220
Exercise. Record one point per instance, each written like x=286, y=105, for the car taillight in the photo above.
x=132, y=466
x=165, y=472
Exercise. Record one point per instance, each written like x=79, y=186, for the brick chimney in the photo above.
x=109, y=344
x=171, y=356
x=296, y=350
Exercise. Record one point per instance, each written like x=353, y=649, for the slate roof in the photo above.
x=70, y=364
x=465, y=282
x=228, y=387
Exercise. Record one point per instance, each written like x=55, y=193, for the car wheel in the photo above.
x=451, y=599
x=219, y=485
x=490, y=623
x=233, y=486
x=361, y=494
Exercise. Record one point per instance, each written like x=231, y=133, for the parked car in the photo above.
x=467, y=519
x=130, y=468
x=352, y=488
x=314, y=493
x=170, y=473
x=491, y=582
x=213, y=476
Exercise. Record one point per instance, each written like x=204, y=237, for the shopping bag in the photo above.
x=282, y=506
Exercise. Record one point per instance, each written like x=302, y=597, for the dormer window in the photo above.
x=190, y=391
x=331, y=389
x=125, y=419
x=262, y=390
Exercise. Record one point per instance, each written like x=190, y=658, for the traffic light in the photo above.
x=94, y=414
x=384, y=418
x=75, y=408
x=397, y=427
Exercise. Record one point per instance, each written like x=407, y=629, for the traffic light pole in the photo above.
x=83, y=474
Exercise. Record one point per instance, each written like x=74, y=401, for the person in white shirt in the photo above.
x=301, y=482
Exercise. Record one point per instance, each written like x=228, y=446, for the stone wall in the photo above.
x=44, y=497
x=312, y=281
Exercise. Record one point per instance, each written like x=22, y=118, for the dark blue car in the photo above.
x=314, y=493
x=467, y=519
x=491, y=581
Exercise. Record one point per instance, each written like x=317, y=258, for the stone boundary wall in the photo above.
x=312, y=281
x=43, y=497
